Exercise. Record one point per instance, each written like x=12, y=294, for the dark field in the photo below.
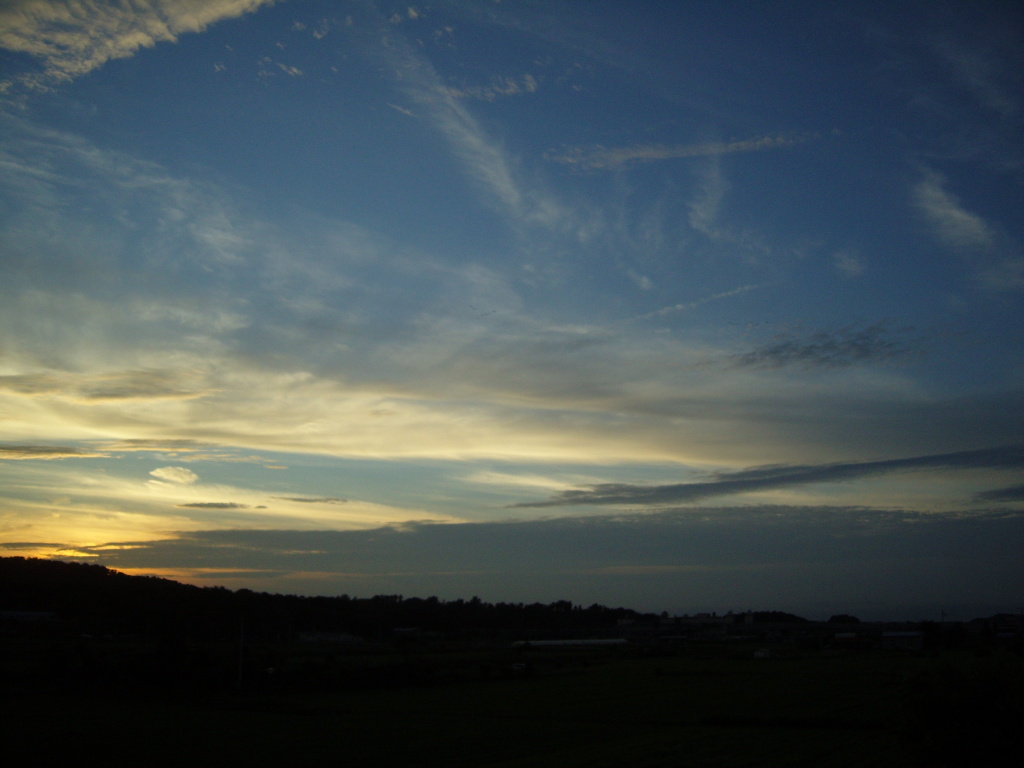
x=701, y=706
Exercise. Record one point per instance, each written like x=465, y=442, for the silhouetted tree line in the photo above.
x=93, y=599
x=776, y=617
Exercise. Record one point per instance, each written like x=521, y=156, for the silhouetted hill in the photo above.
x=161, y=673
x=98, y=600
x=93, y=599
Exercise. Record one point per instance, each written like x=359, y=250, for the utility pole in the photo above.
x=241, y=650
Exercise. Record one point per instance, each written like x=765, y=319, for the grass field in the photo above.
x=566, y=710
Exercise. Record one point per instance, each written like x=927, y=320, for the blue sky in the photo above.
x=681, y=306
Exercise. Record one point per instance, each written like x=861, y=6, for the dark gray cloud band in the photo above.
x=782, y=557
x=213, y=505
x=1013, y=493
x=672, y=537
x=772, y=477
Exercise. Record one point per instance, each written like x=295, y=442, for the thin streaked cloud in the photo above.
x=770, y=478
x=690, y=305
x=612, y=158
x=996, y=258
x=954, y=225
x=848, y=263
x=127, y=385
x=213, y=505
x=45, y=452
x=1010, y=494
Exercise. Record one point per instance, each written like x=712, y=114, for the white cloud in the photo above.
x=177, y=475
x=73, y=38
x=704, y=208
x=642, y=281
x=848, y=263
x=604, y=158
x=411, y=14
x=994, y=256
x=705, y=212
x=403, y=110
x=686, y=306
x=953, y=224
x=500, y=86
x=485, y=160
x=979, y=69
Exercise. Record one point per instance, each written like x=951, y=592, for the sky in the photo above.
x=676, y=306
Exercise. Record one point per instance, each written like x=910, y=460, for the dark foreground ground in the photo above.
x=700, y=706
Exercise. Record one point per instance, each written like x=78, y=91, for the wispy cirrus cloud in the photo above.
x=47, y=171
x=848, y=263
x=688, y=305
x=979, y=66
x=705, y=211
x=953, y=224
x=73, y=38
x=485, y=159
x=997, y=260
x=774, y=477
x=605, y=158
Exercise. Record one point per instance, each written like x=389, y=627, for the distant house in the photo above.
x=902, y=641
x=705, y=625
x=28, y=623
x=571, y=644
x=329, y=638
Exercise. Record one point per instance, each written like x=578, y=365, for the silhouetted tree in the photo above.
x=843, y=618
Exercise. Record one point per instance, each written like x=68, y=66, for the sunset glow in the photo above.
x=677, y=305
